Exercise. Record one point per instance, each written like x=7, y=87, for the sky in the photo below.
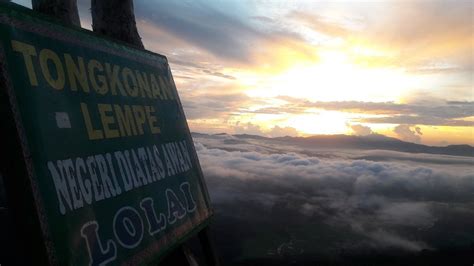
x=299, y=68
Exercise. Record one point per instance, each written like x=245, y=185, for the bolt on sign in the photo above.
x=97, y=154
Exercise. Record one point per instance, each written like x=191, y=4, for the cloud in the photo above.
x=360, y=130
x=408, y=133
x=218, y=74
x=389, y=240
x=319, y=23
x=441, y=113
x=262, y=19
x=440, y=109
x=419, y=120
x=440, y=33
x=248, y=128
x=212, y=104
x=437, y=41
x=201, y=25
x=253, y=129
x=277, y=131
x=392, y=206
x=217, y=29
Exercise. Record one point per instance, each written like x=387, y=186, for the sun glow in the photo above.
x=323, y=122
x=322, y=69
x=335, y=77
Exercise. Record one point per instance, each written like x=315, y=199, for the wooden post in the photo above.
x=116, y=19
x=208, y=247
x=64, y=10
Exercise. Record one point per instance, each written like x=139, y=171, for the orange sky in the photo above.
x=398, y=68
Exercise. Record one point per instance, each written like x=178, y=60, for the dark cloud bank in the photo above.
x=288, y=204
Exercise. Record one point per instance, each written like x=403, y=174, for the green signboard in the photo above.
x=105, y=150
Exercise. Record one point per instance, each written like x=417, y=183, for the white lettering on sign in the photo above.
x=82, y=181
x=129, y=227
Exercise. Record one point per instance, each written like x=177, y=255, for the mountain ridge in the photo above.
x=370, y=142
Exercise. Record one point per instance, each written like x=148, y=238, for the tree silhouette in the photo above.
x=111, y=18
x=64, y=10
x=116, y=19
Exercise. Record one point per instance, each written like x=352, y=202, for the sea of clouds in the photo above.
x=391, y=201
